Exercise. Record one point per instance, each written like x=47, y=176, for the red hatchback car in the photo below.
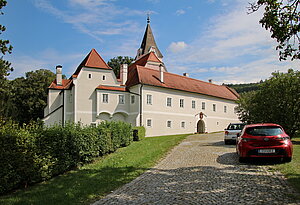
x=264, y=140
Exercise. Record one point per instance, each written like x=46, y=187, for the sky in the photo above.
x=209, y=39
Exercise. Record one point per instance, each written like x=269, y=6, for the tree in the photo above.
x=30, y=95
x=116, y=62
x=282, y=18
x=277, y=101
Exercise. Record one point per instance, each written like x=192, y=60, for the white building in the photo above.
x=145, y=95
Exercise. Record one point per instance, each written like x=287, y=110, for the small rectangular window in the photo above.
x=90, y=75
x=214, y=107
x=203, y=105
x=181, y=102
x=182, y=124
x=169, y=123
x=149, y=123
x=105, y=98
x=169, y=102
x=225, y=109
x=132, y=99
x=193, y=104
x=121, y=99
x=103, y=77
x=149, y=99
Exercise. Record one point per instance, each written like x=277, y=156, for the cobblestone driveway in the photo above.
x=202, y=170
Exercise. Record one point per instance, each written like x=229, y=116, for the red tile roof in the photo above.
x=66, y=84
x=147, y=76
x=92, y=60
x=114, y=88
x=142, y=61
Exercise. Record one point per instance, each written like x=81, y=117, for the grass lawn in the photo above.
x=292, y=170
x=93, y=181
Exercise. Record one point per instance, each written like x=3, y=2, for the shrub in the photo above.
x=139, y=133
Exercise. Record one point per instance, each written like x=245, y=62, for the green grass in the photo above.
x=292, y=170
x=93, y=181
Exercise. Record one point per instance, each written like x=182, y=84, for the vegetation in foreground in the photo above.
x=93, y=181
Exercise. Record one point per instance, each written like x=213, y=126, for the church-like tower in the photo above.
x=148, y=43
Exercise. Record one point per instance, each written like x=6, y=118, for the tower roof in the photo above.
x=149, y=42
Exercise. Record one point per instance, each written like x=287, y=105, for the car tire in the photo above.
x=287, y=159
x=242, y=159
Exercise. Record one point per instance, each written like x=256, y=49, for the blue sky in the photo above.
x=209, y=39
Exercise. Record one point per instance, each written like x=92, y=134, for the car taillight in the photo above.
x=226, y=132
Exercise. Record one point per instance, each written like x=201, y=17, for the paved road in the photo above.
x=202, y=170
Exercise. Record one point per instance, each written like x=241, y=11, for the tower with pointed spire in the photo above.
x=148, y=43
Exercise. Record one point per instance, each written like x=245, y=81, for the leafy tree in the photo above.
x=30, y=95
x=246, y=87
x=277, y=101
x=116, y=62
x=282, y=18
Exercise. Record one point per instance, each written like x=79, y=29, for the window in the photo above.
x=105, y=98
x=181, y=102
x=132, y=99
x=203, y=105
x=121, y=99
x=103, y=77
x=182, y=124
x=193, y=104
x=214, y=107
x=149, y=123
x=149, y=99
x=169, y=102
x=225, y=109
x=90, y=75
x=169, y=123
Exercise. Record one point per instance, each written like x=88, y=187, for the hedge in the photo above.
x=34, y=153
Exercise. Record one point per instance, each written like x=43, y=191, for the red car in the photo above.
x=264, y=140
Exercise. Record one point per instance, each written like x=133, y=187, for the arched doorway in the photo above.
x=201, y=127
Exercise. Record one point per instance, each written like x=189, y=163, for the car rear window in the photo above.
x=264, y=131
x=235, y=127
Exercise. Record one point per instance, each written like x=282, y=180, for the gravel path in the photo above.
x=202, y=170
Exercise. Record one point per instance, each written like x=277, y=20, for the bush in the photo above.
x=34, y=153
x=139, y=133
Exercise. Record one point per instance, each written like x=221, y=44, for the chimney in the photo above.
x=58, y=75
x=123, y=73
x=161, y=73
x=210, y=80
x=186, y=75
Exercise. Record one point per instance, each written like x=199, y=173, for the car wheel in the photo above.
x=287, y=159
x=242, y=159
x=226, y=142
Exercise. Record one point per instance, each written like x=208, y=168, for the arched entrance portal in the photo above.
x=201, y=127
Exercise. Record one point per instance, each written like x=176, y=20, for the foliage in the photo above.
x=281, y=17
x=246, y=87
x=139, y=133
x=116, y=62
x=277, y=101
x=93, y=181
x=4, y=44
x=34, y=153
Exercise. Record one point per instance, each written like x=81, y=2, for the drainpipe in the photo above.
x=141, y=104
x=63, y=108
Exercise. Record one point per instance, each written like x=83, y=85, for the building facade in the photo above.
x=145, y=94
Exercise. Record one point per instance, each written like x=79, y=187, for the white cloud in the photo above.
x=176, y=47
x=180, y=12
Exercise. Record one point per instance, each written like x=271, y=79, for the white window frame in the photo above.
x=147, y=122
x=182, y=124
x=90, y=76
x=132, y=99
x=214, y=107
x=193, y=104
x=104, y=98
x=203, y=104
x=121, y=99
x=103, y=77
x=169, y=124
x=169, y=102
x=181, y=103
x=149, y=99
